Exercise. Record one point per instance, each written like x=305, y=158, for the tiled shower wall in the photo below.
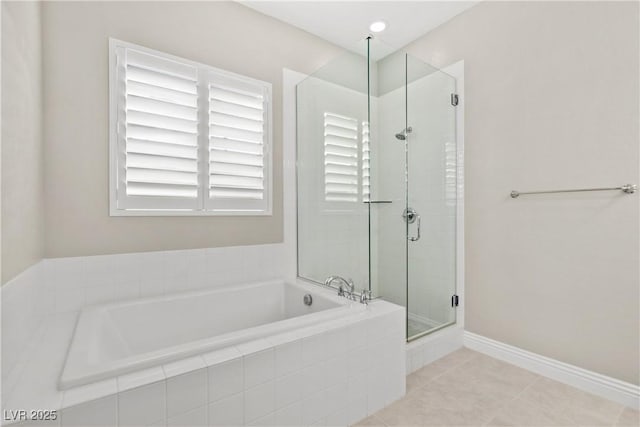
x=62, y=285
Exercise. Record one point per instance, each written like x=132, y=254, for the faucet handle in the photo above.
x=365, y=296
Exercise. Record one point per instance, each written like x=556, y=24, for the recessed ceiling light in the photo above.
x=378, y=26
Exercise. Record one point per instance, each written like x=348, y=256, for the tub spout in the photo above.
x=345, y=288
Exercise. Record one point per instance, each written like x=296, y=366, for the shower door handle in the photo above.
x=417, y=237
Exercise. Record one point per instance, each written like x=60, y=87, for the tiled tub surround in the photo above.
x=62, y=286
x=333, y=373
x=113, y=339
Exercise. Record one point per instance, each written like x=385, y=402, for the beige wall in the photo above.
x=22, y=151
x=552, y=102
x=222, y=34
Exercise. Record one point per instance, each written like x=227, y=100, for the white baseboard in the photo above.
x=610, y=388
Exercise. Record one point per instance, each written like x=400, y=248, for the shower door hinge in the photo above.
x=455, y=300
x=454, y=99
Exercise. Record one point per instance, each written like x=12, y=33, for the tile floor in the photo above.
x=467, y=388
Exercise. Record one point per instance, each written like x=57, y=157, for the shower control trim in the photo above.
x=410, y=216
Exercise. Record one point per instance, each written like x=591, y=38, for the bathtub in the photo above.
x=113, y=339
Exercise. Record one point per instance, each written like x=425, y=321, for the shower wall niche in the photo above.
x=377, y=180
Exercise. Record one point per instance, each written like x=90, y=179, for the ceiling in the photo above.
x=345, y=23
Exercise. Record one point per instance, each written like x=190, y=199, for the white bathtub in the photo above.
x=113, y=339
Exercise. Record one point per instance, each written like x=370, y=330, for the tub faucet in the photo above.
x=365, y=296
x=346, y=287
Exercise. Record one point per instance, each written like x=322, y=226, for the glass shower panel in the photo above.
x=333, y=220
x=376, y=179
x=431, y=194
x=388, y=177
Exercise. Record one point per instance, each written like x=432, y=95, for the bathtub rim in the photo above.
x=84, y=374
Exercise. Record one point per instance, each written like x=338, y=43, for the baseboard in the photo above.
x=610, y=388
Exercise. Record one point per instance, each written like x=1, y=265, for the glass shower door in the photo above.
x=431, y=198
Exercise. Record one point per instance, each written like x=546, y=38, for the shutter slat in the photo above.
x=235, y=193
x=143, y=161
x=228, y=181
x=162, y=108
x=237, y=158
x=332, y=168
x=159, y=79
x=161, y=135
x=162, y=190
x=334, y=188
x=232, y=169
x=235, y=146
x=152, y=176
x=342, y=142
x=161, y=149
x=341, y=197
x=244, y=135
x=336, y=150
x=236, y=110
x=161, y=64
x=330, y=159
x=165, y=122
x=229, y=120
x=144, y=90
x=341, y=132
x=340, y=179
x=219, y=93
x=340, y=121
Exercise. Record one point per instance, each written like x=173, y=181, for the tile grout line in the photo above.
x=516, y=397
x=441, y=373
x=617, y=421
x=457, y=365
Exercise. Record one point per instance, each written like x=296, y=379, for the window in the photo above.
x=186, y=138
x=346, y=160
x=340, y=158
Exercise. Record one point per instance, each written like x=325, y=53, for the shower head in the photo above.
x=403, y=135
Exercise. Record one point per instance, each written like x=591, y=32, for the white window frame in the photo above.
x=206, y=205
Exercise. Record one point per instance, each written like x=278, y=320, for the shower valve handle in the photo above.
x=417, y=237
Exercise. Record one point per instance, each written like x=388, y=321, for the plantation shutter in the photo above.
x=186, y=138
x=366, y=162
x=340, y=158
x=157, y=131
x=238, y=145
